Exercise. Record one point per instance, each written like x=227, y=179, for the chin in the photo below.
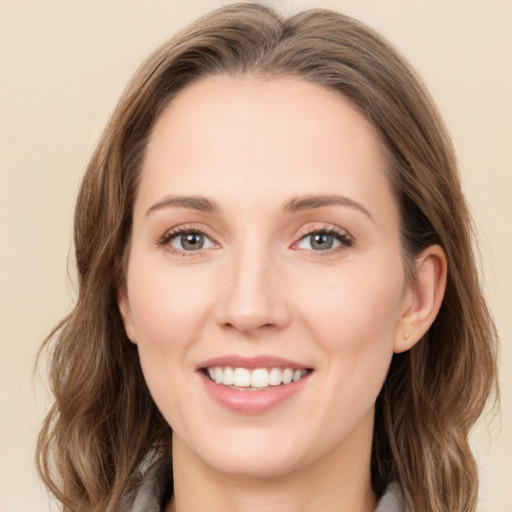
x=257, y=467
x=251, y=457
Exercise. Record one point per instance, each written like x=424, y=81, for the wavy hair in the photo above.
x=104, y=423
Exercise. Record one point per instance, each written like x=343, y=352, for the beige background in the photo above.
x=63, y=65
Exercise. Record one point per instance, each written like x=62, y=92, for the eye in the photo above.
x=324, y=240
x=319, y=242
x=182, y=241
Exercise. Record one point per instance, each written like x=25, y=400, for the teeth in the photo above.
x=287, y=376
x=258, y=378
x=228, y=377
x=241, y=377
x=275, y=377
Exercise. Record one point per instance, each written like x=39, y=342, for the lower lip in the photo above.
x=252, y=402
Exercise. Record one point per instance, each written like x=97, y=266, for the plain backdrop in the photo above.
x=63, y=65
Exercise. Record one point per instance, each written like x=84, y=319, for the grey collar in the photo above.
x=392, y=500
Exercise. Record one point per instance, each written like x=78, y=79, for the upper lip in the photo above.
x=263, y=361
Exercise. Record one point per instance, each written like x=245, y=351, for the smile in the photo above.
x=253, y=380
x=253, y=385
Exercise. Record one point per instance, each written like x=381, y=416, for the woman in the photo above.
x=279, y=306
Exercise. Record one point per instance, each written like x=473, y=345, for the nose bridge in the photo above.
x=253, y=294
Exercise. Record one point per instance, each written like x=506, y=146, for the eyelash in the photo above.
x=341, y=236
x=182, y=230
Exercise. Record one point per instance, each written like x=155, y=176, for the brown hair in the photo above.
x=104, y=423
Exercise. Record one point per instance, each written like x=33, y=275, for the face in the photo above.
x=265, y=284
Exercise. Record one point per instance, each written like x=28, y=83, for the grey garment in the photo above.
x=152, y=492
x=155, y=490
x=392, y=500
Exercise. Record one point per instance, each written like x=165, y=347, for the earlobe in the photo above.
x=425, y=297
x=126, y=314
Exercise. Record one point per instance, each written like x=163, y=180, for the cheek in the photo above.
x=165, y=305
x=355, y=311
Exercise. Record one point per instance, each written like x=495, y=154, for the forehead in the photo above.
x=247, y=136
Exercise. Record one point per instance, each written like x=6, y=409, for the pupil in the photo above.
x=191, y=241
x=322, y=241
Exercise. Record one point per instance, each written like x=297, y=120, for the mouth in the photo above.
x=252, y=385
x=258, y=379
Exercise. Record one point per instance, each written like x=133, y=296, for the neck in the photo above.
x=339, y=481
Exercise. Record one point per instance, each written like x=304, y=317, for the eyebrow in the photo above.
x=309, y=202
x=191, y=202
x=296, y=204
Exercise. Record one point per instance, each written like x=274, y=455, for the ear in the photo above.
x=424, y=298
x=126, y=313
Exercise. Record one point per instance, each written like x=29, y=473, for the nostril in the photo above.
x=247, y=327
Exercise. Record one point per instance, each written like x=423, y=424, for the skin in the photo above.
x=258, y=287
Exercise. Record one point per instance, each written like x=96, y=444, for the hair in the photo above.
x=104, y=424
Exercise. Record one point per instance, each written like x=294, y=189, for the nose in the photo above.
x=254, y=298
